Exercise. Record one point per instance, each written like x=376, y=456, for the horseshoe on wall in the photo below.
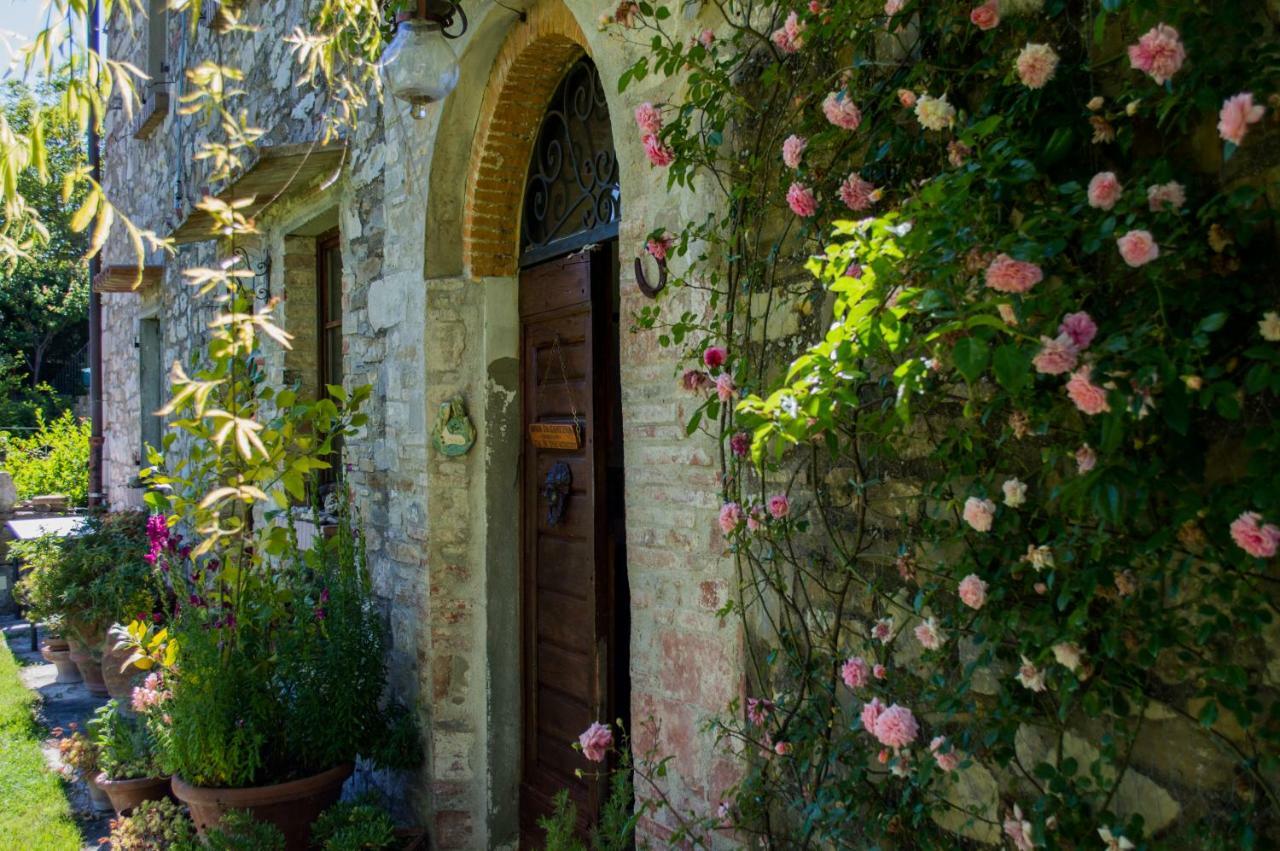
x=642, y=281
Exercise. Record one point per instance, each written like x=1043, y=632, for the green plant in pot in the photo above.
x=272, y=660
x=129, y=757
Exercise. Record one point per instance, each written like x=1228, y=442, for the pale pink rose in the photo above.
x=1087, y=396
x=779, y=507
x=893, y=7
x=695, y=380
x=935, y=113
x=759, y=709
x=659, y=154
x=1238, y=112
x=1086, y=459
x=730, y=517
x=896, y=727
x=871, y=714
x=856, y=193
x=724, y=387
x=1007, y=314
x=1056, y=356
x=1069, y=655
x=659, y=247
x=1256, y=539
x=986, y=16
x=1080, y=328
x=715, y=356
x=907, y=98
x=1104, y=190
x=790, y=36
x=879, y=672
x=1015, y=492
x=782, y=748
x=1030, y=676
x=855, y=672
x=706, y=38
x=1166, y=196
x=793, y=150
x=648, y=119
x=973, y=591
x=979, y=513
x=958, y=153
x=1019, y=831
x=882, y=630
x=841, y=110
x=801, y=201
x=1138, y=248
x=1012, y=276
x=1036, y=65
x=930, y=636
x=596, y=741
x=948, y=758
x=1159, y=53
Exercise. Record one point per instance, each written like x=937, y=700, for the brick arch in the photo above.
x=525, y=75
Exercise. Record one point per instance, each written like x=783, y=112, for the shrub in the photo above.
x=53, y=459
x=238, y=831
x=126, y=749
x=353, y=826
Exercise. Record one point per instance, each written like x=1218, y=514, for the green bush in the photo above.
x=353, y=826
x=20, y=403
x=53, y=459
x=237, y=831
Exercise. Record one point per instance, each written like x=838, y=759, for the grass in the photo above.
x=34, y=813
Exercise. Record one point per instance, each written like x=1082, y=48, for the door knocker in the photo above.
x=556, y=490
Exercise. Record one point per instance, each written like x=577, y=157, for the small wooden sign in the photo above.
x=555, y=436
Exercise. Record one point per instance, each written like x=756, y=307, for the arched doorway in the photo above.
x=573, y=588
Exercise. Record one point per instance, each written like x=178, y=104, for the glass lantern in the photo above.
x=419, y=66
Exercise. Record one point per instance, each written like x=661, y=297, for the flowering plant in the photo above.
x=1022, y=451
x=125, y=747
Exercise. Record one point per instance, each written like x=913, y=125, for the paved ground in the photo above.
x=60, y=705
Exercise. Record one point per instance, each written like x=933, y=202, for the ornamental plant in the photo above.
x=1009, y=510
x=126, y=748
x=160, y=825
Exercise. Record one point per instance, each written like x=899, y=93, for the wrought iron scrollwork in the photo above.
x=572, y=196
x=259, y=270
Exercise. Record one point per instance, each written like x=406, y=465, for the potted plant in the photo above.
x=57, y=650
x=79, y=757
x=128, y=757
x=157, y=825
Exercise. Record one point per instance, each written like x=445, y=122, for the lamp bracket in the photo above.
x=446, y=13
x=260, y=270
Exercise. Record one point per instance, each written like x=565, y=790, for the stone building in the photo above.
x=418, y=256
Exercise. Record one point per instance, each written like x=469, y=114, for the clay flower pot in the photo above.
x=119, y=679
x=291, y=806
x=127, y=794
x=68, y=672
x=90, y=669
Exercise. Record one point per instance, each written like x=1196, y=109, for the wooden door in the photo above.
x=569, y=564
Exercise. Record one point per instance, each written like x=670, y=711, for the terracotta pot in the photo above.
x=127, y=794
x=97, y=795
x=291, y=806
x=119, y=680
x=68, y=672
x=56, y=642
x=90, y=669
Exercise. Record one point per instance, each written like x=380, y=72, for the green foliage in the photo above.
x=238, y=831
x=20, y=403
x=614, y=831
x=35, y=812
x=52, y=459
x=126, y=748
x=562, y=825
x=1116, y=589
x=353, y=826
x=155, y=826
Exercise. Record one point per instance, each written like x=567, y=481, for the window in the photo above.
x=155, y=96
x=329, y=329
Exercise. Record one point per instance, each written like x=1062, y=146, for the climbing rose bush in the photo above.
x=986, y=327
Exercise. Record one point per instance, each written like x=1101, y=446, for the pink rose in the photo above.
x=759, y=709
x=986, y=16
x=979, y=513
x=1238, y=112
x=659, y=247
x=596, y=741
x=929, y=635
x=841, y=110
x=882, y=630
x=714, y=356
x=947, y=757
x=896, y=727
x=1138, y=248
x=740, y=444
x=801, y=201
x=907, y=98
x=1056, y=356
x=1159, y=53
x=706, y=38
x=1166, y=196
x=779, y=507
x=695, y=380
x=659, y=154
x=724, y=387
x=793, y=150
x=1036, y=65
x=856, y=193
x=1012, y=276
x=1087, y=396
x=1104, y=190
x=1080, y=328
x=730, y=517
x=790, y=36
x=648, y=119
x=973, y=591
x=855, y=672
x=782, y=748
x=879, y=672
x=1086, y=459
x=1256, y=539
x=871, y=714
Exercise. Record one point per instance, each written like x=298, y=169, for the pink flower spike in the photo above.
x=1255, y=538
x=596, y=741
x=1238, y=112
